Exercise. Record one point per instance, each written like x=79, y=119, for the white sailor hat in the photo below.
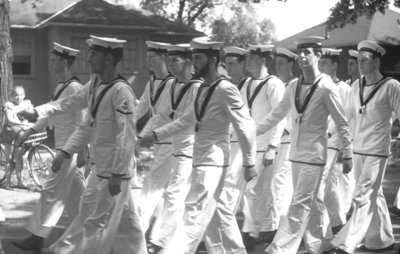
x=261, y=50
x=372, y=47
x=235, y=52
x=105, y=44
x=178, y=49
x=158, y=47
x=309, y=42
x=329, y=52
x=353, y=54
x=206, y=47
x=64, y=51
x=283, y=52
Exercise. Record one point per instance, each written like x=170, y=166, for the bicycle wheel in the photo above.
x=40, y=159
x=2, y=164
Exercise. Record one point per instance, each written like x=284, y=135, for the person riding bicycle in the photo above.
x=14, y=125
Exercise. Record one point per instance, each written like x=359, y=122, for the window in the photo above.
x=22, y=46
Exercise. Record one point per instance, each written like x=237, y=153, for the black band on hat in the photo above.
x=206, y=51
x=179, y=53
x=240, y=57
x=353, y=57
x=309, y=45
x=63, y=54
x=158, y=50
x=371, y=51
x=291, y=59
x=261, y=53
x=101, y=48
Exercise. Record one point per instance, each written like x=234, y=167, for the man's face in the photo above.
x=177, y=64
x=367, y=63
x=283, y=66
x=56, y=63
x=233, y=66
x=352, y=67
x=254, y=63
x=327, y=66
x=307, y=58
x=201, y=64
x=97, y=60
x=154, y=60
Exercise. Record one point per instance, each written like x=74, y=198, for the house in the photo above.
x=381, y=27
x=33, y=36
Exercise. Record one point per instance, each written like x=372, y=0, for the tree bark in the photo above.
x=6, y=55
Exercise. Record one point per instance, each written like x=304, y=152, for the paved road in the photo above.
x=19, y=204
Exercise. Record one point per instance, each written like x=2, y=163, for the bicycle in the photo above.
x=39, y=157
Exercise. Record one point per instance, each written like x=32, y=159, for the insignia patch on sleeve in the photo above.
x=125, y=108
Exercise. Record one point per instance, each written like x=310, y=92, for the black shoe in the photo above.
x=336, y=229
x=267, y=237
x=394, y=211
x=365, y=249
x=335, y=251
x=153, y=249
x=201, y=248
x=249, y=241
x=32, y=243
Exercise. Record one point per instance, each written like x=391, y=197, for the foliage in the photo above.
x=184, y=11
x=243, y=28
x=347, y=11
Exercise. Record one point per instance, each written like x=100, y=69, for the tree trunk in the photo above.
x=6, y=79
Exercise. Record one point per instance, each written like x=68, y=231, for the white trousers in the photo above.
x=370, y=219
x=154, y=184
x=174, y=201
x=107, y=224
x=276, y=196
x=307, y=217
x=254, y=193
x=62, y=190
x=397, y=200
x=207, y=214
x=234, y=181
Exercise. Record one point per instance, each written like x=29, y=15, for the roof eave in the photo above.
x=178, y=33
x=153, y=28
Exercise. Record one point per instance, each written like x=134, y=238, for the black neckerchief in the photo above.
x=241, y=83
x=289, y=80
x=251, y=98
x=301, y=108
x=154, y=97
x=199, y=114
x=96, y=100
x=182, y=92
x=65, y=85
x=371, y=94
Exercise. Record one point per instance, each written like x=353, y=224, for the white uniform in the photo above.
x=182, y=163
x=370, y=218
x=111, y=223
x=156, y=97
x=65, y=188
x=307, y=216
x=332, y=183
x=206, y=210
x=262, y=96
x=281, y=187
x=235, y=183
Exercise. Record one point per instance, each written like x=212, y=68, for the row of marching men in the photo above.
x=260, y=145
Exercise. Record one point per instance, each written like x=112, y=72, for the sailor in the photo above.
x=375, y=99
x=217, y=104
x=352, y=67
x=309, y=100
x=62, y=189
x=235, y=59
x=182, y=95
x=281, y=188
x=156, y=98
x=109, y=223
x=263, y=92
x=330, y=185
